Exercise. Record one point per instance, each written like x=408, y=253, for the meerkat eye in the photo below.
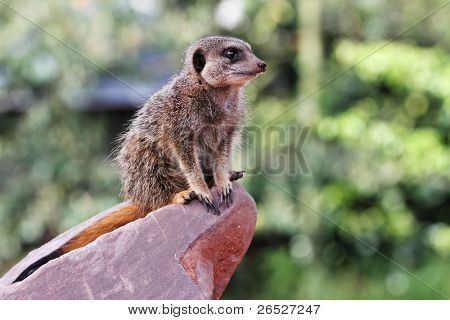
x=231, y=53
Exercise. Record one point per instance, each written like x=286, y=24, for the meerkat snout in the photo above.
x=262, y=66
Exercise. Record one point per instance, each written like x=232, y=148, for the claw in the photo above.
x=226, y=196
x=209, y=205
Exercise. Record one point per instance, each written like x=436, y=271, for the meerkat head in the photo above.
x=223, y=61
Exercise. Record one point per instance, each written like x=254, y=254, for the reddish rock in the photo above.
x=213, y=257
x=177, y=252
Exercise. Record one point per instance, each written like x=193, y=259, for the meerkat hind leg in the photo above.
x=236, y=175
x=184, y=197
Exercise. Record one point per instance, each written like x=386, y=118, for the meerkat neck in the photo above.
x=222, y=96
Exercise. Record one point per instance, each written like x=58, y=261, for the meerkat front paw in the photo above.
x=225, y=194
x=208, y=202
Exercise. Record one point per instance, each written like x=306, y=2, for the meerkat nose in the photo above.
x=262, y=65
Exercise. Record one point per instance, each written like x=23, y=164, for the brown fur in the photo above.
x=180, y=142
x=109, y=223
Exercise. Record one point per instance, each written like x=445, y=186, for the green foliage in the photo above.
x=378, y=152
x=57, y=175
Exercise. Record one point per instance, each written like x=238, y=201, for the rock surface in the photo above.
x=176, y=252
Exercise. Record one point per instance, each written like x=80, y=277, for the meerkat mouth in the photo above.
x=246, y=74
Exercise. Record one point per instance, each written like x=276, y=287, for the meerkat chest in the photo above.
x=210, y=136
x=208, y=143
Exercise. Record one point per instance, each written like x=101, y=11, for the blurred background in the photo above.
x=72, y=73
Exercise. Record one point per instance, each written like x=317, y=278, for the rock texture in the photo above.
x=176, y=252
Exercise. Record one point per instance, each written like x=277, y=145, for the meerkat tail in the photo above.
x=105, y=225
x=36, y=265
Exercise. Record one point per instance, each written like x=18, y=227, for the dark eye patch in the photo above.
x=233, y=54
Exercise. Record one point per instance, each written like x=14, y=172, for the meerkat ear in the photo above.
x=198, y=60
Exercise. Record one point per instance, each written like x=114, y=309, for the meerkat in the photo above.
x=180, y=142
